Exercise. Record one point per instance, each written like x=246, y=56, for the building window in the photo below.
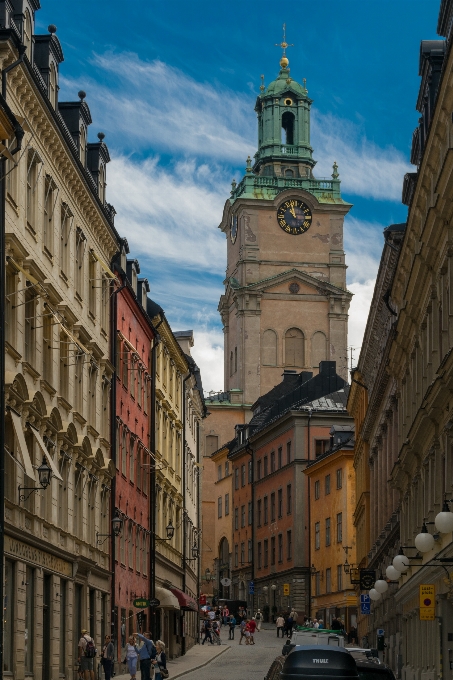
x=340, y=577
x=327, y=531
x=280, y=503
x=30, y=325
x=250, y=471
x=49, y=191
x=236, y=555
x=32, y=178
x=242, y=553
x=272, y=461
x=92, y=267
x=289, y=545
x=289, y=500
x=321, y=446
x=227, y=469
x=250, y=552
x=243, y=475
x=328, y=580
x=266, y=518
x=219, y=473
x=236, y=478
x=318, y=583
x=65, y=230
x=273, y=550
x=236, y=518
x=266, y=552
x=259, y=555
x=231, y=363
x=317, y=535
x=258, y=470
x=272, y=507
x=280, y=547
x=242, y=516
x=339, y=527
x=339, y=478
x=266, y=466
x=80, y=246
x=288, y=453
x=258, y=512
x=227, y=504
x=317, y=486
x=219, y=507
x=250, y=512
x=64, y=365
x=280, y=457
x=294, y=348
x=327, y=485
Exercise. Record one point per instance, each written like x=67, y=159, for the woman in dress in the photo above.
x=131, y=657
x=160, y=661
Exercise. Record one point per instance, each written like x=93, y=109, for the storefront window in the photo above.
x=29, y=618
x=8, y=616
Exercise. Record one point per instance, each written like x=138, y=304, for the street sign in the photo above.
x=154, y=602
x=380, y=632
x=226, y=582
x=202, y=600
x=251, y=587
x=427, y=602
x=365, y=604
x=141, y=603
x=367, y=579
x=286, y=589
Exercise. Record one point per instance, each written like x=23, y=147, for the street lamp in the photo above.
x=195, y=551
x=117, y=525
x=424, y=541
x=274, y=586
x=444, y=520
x=170, y=530
x=401, y=562
x=44, y=476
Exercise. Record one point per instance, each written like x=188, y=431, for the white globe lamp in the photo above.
x=444, y=520
x=392, y=573
x=424, y=541
x=374, y=595
x=401, y=563
x=381, y=586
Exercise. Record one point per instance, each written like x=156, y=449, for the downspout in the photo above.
x=184, y=541
x=19, y=136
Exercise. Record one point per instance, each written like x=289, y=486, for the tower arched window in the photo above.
x=288, y=128
x=269, y=348
x=294, y=347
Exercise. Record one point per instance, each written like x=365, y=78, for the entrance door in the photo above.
x=46, y=614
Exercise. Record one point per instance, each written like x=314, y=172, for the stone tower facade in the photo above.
x=285, y=304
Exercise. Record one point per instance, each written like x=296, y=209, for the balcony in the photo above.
x=326, y=190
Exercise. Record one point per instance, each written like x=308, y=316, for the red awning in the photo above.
x=185, y=601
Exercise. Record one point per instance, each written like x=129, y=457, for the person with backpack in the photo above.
x=147, y=652
x=232, y=625
x=87, y=653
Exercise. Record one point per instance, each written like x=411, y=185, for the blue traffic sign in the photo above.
x=251, y=588
x=365, y=604
x=365, y=598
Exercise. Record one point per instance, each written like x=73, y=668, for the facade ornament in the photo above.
x=262, y=86
x=284, y=61
x=335, y=174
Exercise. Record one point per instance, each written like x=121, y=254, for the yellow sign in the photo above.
x=286, y=589
x=427, y=602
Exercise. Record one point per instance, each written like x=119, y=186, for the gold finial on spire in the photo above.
x=262, y=87
x=284, y=61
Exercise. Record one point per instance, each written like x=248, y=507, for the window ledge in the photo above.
x=13, y=352
x=48, y=388
x=28, y=368
x=64, y=278
x=47, y=253
x=94, y=433
x=64, y=403
x=78, y=416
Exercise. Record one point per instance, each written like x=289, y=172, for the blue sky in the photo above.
x=173, y=84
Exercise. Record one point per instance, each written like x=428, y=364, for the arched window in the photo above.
x=294, y=347
x=269, y=348
x=288, y=128
x=318, y=348
x=289, y=173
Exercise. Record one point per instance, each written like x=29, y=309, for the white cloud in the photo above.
x=358, y=313
x=363, y=243
x=208, y=353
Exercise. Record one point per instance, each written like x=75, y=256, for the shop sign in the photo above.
x=286, y=589
x=141, y=603
x=427, y=602
x=202, y=600
x=28, y=553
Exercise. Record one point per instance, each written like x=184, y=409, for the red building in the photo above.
x=132, y=356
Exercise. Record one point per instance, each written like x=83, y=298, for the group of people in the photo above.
x=215, y=619
x=152, y=656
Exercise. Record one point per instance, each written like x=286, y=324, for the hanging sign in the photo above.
x=427, y=602
x=141, y=603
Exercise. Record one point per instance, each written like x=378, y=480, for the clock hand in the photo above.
x=292, y=211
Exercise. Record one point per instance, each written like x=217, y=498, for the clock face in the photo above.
x=294, y=216
x=234, y=228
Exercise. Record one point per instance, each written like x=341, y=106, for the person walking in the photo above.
x=207, y=632
x=293, y=614
x=123, y=635
x=147, y=652
x=280, y=624
x=160, y=662
x=252, y=629
x=232, y=625
x=242, y=626
x=132, y=657
x=87, y=652
x=289, y=626
x=258, y=619
x=108, y=657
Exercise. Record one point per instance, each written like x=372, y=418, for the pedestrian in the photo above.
x=280, y=624
x=352, y=637
x=160, y=662
x=225, y=615
x=131, y=657
x=321, y=623
x=108, y=657
x=289, y=626
x=211, y=614
x=207, y=631
x=232, y=625
x=293, y=614
x=216, y=631
x=336, y=624
x=147, y=652
x=258, y=619
x=242, y=626
x=87, y=652
x=123, y=635
x=315, y=623
x=247, y=631
x=252, y=629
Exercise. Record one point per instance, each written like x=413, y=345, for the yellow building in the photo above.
x=332, y=535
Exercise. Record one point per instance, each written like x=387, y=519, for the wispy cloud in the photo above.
x=363, y=243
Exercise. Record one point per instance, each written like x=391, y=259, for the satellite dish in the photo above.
x=226, y=582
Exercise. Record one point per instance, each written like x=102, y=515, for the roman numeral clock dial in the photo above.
x=294, y=217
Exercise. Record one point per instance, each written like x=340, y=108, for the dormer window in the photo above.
x=102, y=184
x=83, y=145
x=27, y=33
x=53, y=86
x=134, y=279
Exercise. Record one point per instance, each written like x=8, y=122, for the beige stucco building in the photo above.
x=59, y=235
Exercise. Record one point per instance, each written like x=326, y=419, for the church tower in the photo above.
x=285, y=305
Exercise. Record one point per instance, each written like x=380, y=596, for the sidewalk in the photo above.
x=197, y=657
